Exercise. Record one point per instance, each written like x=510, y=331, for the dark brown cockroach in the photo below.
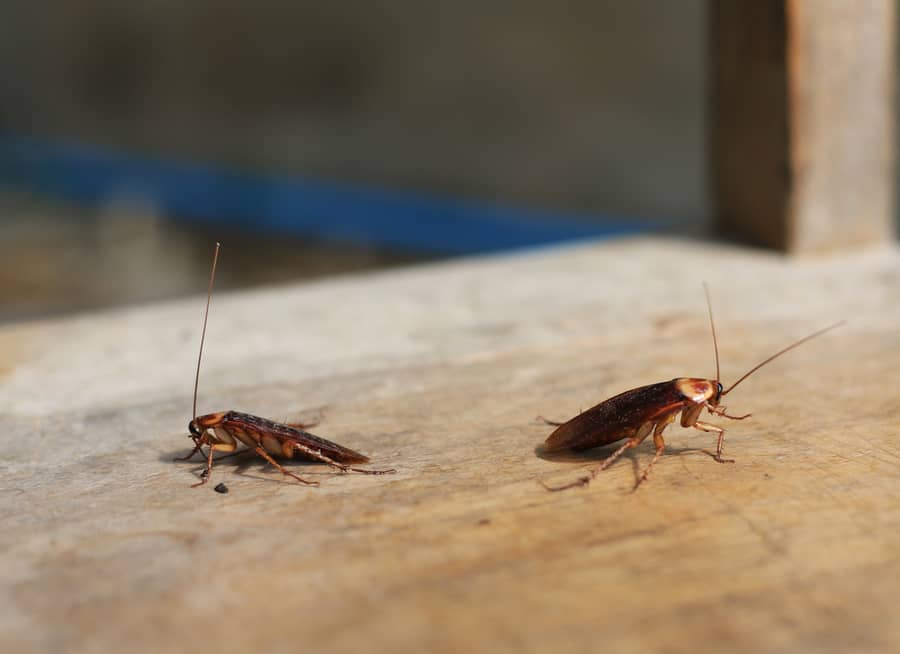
x=637, y=413
x=222, y=431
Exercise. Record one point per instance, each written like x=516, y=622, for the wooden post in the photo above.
x=803, y=115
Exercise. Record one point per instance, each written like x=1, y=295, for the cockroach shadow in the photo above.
x=600, y=454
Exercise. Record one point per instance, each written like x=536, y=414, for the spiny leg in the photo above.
x=190, y=456
x=343, y=467
x=705, y=426
x=303, y=426
x=634, y=441
x=268, y=458
x=660, y=448
x=204, y=476
x=389, y=471
x=552, y=423
x=584, y=481
x=216, y=447
x=720, y=411
x=230, y=454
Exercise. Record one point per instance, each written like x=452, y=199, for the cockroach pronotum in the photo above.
x=224, y=430
x=636, y=413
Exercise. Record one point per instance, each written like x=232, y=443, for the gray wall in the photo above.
x=599, y=106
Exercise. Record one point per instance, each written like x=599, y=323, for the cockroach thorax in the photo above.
x=200, y=424
x=210, y=420
x=698, y=390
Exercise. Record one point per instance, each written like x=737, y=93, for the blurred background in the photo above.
x=321, y=138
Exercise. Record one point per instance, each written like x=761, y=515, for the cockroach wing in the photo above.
x=261, y=426
x=616, y=418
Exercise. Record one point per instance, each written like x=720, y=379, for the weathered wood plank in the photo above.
x=803, y=122
x=439, y=371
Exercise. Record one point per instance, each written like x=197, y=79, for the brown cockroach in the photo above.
x=222, y=431
x=637, y=413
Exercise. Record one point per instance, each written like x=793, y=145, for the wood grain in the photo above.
x=803, y=122
x=439, y=371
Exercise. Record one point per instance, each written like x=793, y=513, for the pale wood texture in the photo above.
x=803, y=122
x=440, y=371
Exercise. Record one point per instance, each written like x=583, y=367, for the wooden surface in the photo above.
x=439, y=371
x=803, y=122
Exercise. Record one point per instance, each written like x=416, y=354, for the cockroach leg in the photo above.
x=608, y=461
x=303, y=426
x=659, y=443
x=216, y=447
x=204, y=476
x=260, y=451
x=660, y=448
x=389, y=471
x=705, y=426
x=634, y=441
x=191, y=455
x=316, y=454
x=229, y=455
x=720, y=411
x=690, y=414
x=581, y=481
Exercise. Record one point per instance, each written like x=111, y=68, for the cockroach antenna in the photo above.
x=712, y=326
x=784, y=351
x=212, y=278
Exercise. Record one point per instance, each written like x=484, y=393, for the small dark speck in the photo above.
x=767, y=475
x=484, y=521
x=221, y=488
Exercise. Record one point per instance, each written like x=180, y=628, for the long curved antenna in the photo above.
x=780, y=352
x=712, y=326
x=212, y=277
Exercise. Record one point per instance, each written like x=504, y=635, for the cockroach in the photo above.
x=637, y=413
x=222, y=431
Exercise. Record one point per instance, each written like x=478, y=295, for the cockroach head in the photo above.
x=718, y=396
x=192, y=427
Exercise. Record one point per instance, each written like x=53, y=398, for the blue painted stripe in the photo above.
x=291, y=205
